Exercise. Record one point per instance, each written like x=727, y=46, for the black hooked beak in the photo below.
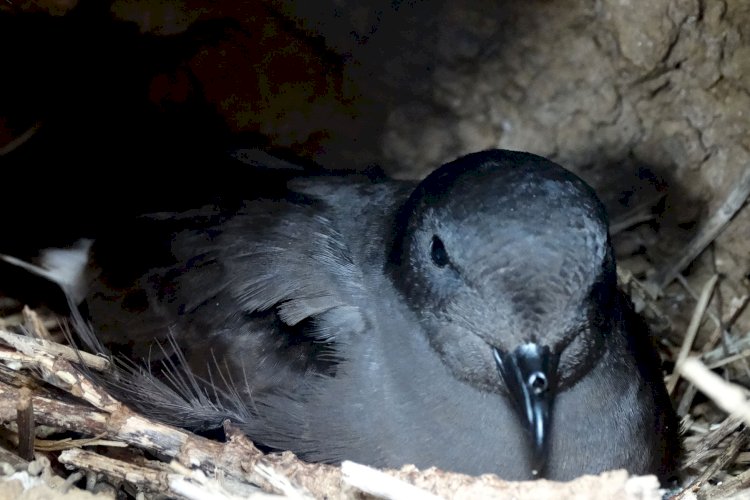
x=530, y=374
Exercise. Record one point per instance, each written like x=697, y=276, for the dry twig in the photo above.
x=692, y=331
x=30, y=346
x=25, y=424
x=709, y=231
x=727, y=396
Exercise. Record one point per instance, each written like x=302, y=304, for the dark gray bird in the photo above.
x=471, y=321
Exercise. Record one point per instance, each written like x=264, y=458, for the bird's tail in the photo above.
x=166, y=390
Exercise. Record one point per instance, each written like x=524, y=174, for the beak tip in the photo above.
x=538, y=462
x=539, y=452
x=529, y=374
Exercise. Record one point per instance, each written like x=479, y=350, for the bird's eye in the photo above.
x=438, y=253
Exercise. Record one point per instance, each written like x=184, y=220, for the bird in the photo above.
x=470, y=321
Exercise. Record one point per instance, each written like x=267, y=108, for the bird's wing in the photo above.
x=268, y=292
x=270, y=256
x=297, y=264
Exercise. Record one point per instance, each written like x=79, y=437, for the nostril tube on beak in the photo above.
x=529, y=373
x=538, y=382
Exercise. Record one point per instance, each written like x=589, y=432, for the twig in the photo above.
x=34, y=324
x=143, y=477
x=637, y=215
x=722, y=461
x=730, y=344
x=194, y=485
x=712, y=439
x=730, y=359
x=718, y=353
x=60, y=373
x=281, y=482
x=12, y=459
x=69, y=416
x=727, y=396
x=709, y=231
x=122, y=424
x=722, y=326
x=31, y=346
x=18, y=141
x=25, y=422
x=686, y=401
x=66, y=444
x=692, y=330
x=711, y=312
x=71, y=480
x=729, y=488
x=380, y=484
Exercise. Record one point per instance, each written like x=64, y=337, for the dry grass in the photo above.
x=704, y=374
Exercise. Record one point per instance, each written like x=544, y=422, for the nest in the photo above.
x=58, y=416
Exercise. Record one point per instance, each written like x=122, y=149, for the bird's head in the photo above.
x=505, y=258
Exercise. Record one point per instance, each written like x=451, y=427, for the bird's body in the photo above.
x=380, y=321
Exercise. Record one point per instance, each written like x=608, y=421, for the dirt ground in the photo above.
x=647, y=100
